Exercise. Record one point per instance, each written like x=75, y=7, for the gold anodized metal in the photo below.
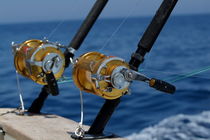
x=24, y=53
x=87, y=66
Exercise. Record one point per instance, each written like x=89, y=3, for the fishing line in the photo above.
x=64, y=79
x=55, y=29
x=171, y=73
x=20, y=91
x=60, y=23
x=79, y=132
x=170, y=79
x=82, y=108
x=181, y=77
x=119, y=26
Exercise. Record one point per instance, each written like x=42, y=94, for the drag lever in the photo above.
x=160, y=85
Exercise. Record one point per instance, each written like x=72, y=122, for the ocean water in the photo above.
x=182, y=47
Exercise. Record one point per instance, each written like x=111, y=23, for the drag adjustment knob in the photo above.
x=162, y=86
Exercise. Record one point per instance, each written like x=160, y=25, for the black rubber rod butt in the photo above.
x=153, y=30
x=162, y=86
x=38, y=103
x=103, y=117
x=85, y=29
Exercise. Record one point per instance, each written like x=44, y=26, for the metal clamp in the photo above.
x=71, y=50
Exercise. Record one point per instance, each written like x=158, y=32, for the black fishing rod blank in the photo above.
x=84, y=29
x=148, y=39
x=152, y=32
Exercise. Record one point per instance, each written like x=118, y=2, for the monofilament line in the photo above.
x=82, y=108
x=80, y=131
x=20, y=92
x=55, y=29
x=119, y=27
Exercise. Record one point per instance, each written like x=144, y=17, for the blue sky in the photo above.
x=44, y=10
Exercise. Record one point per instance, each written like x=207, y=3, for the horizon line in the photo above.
x=101, y=18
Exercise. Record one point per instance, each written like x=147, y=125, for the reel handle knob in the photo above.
x=162, y=86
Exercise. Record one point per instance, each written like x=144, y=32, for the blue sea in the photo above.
x=182, y=47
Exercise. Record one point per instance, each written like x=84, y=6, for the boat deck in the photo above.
x=36, y=127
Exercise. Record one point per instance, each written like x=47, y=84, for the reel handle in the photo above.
x=162, y=86
x=52, y=84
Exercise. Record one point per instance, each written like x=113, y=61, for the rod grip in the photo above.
x=162, y=86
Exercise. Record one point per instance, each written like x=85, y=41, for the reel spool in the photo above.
x=35, y=59
x=100, y=74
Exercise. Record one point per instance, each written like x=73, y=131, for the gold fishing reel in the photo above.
x=100, y=74
x=110, y=77
x=35, y=59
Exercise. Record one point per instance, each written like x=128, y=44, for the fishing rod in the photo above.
x=85, y=28
x=112, y=76
x=152, y=32
x=44, y=63
x=72, y=47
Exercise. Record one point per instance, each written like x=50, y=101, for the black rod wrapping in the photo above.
x=103, y=117
x=87, y=24
x=153, y=30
